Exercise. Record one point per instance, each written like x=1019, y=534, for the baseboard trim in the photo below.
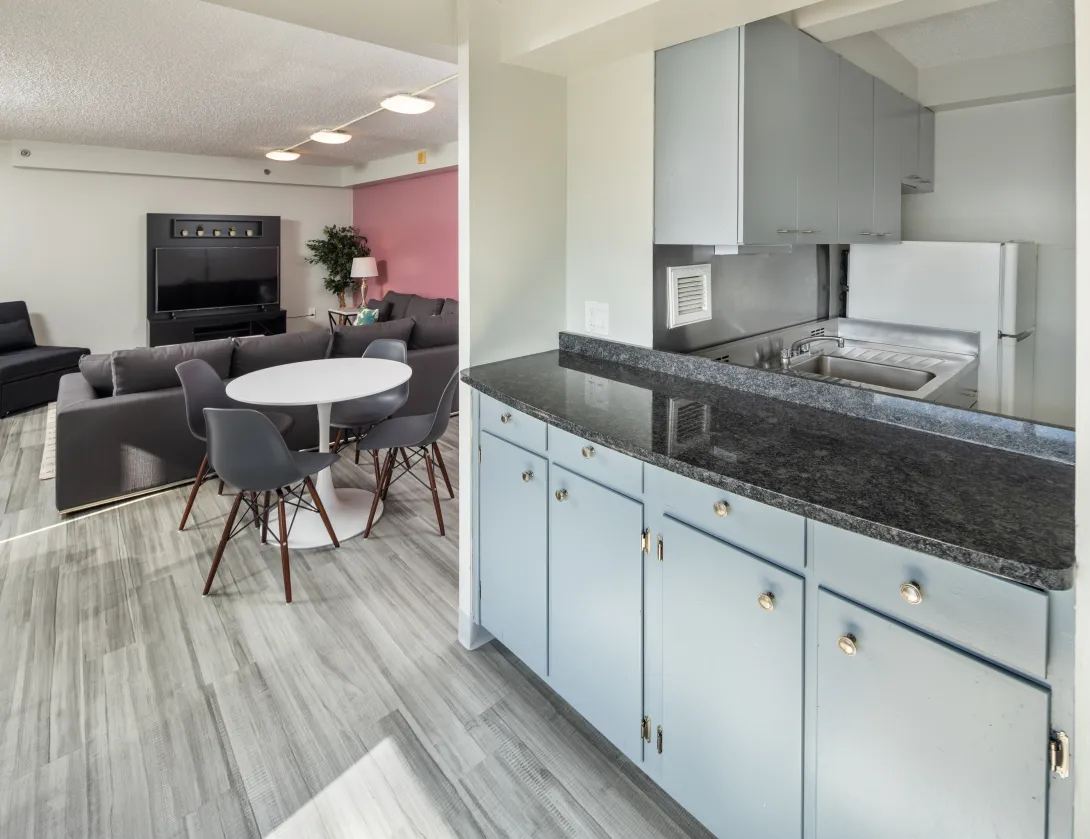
x=471, y=635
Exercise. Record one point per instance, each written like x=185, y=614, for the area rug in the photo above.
x=49, y=449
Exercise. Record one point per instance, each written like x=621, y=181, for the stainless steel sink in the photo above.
x=864, y=372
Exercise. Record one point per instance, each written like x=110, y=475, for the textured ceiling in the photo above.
x=1004, y=27
x=192, y=77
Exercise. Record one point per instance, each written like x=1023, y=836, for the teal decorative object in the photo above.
x=366, y=315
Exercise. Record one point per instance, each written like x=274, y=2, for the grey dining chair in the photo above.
x=416, y=438
x=203, y=388
x=357, y=416
x=246, y=449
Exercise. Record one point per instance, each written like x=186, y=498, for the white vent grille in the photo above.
x=690, y=294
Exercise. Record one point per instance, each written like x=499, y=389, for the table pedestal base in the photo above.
x=347, y=509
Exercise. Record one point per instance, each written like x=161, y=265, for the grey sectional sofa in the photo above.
x=121, y=427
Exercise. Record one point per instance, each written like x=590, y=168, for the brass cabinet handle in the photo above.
x=912, y=593
x=847, y=645
x=527, y=476
x=505, y=418
x=766, y=600
x=721, y=508
x=588, y=451
x=561, y=494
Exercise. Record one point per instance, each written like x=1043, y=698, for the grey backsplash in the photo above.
x=750, y=293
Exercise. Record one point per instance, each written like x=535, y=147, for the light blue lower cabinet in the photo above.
x=596, y=606
x=732, y=670
x=513, y=568
x=917, y=740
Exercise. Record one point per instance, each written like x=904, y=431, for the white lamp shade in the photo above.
x=364, y=266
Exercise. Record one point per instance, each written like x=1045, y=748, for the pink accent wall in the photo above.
x=412, y=229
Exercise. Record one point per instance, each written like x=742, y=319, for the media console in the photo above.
x=209, y=327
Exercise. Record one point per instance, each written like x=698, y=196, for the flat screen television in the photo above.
x=190, y=279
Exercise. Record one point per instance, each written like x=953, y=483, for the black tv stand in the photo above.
x=214, y=325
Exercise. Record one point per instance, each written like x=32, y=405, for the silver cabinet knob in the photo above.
x=766, y=600
x=721, y=508
x=561, y=494
x=505, y=418
x=847, y=645
x=588, y=451
x=527, y=476
x=912, y=593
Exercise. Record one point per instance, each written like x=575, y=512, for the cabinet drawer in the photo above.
x=999, y=619
x=762, y=530
x=511, y=425
x=613, y=469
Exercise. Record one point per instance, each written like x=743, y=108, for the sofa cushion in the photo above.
x=98, y=372
x=384, y=308
x=422, y=307
x=351, y=341
x=152, y=368
x=450, y=305
x=15, y=335
x=261, y=351
x=399, y=303
x=37, y=361
x=435, y=331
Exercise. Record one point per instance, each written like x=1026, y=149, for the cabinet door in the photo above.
x=513, y=553
x=916, y=739
x=887, y=163
x=769, y=133
x=856, y=155
x=818, y=141
x=732, y=687
x=910, y=141
x=596, y=606
x=927, y=149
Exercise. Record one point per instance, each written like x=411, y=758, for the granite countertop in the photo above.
x=993, y=510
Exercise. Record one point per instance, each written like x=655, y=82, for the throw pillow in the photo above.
x=435, y=331
x=351, y=341
x=365, y=316
x=260, y=351
x=152, y=368
x=98, y=372
x=384, y=308
x=422, y=307
x=16, y=335
x=399, y=304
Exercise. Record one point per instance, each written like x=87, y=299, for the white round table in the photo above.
x=321, y=383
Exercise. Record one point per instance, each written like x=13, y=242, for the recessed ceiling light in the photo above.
x=280, y=154
x=403, y=103
x=332, y=137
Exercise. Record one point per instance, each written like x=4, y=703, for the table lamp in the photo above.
x=362, y=268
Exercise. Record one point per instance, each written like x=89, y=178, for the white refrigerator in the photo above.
x=985, y=287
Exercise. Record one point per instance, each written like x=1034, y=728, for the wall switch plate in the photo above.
x=597, y=318
x=310, y=313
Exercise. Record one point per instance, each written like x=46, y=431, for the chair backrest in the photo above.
x=392, y=349
x=203, y=388
x=441, y=418
x=247, y=451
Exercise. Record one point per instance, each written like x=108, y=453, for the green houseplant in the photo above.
x=335, y=252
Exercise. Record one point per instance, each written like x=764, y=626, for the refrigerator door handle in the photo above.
x=1020, y=336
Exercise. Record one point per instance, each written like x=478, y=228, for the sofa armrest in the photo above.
x=74, y=390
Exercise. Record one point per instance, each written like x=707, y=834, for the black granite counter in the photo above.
x=998, y=511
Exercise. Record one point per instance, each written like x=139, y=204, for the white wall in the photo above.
x=72, y=244
x=1005, y=172
x=611, y=133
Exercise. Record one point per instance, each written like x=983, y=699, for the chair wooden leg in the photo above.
x=265, y=518
x=321, y=511
x=256, y=511
x=337, y=441
x=405, y=457
x=220, y=490
x=358, y=431
x=384, y=474
x=284, y=545
x=378, y=467
x=223, y=543
x=434, y=492
x=193, y=492
x=442, y=467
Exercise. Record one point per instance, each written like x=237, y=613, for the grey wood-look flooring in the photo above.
x=130, y=706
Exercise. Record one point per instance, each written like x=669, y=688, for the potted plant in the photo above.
x=335, y=252
x=216, y=232
x=200, y=229
x=231, y=231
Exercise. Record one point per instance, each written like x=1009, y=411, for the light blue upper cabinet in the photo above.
x=513, y=550
x=595, y=606
x=732, y=684
x=916, y=739
x=817, y=142
x=856, y=187
x=887, y=163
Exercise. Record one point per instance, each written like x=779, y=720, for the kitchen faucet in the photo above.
x=803, y=345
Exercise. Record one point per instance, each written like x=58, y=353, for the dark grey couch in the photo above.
x=121, y=427
x=29, y=374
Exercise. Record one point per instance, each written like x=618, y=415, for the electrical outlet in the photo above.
x=310, y=312
x=597, y=318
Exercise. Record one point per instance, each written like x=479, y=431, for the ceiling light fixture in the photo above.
x=333, y=137
x=282, y=154
x=406, y=103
